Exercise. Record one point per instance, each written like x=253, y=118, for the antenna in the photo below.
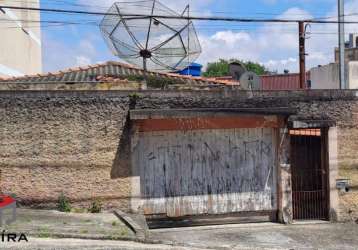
x=160, y=44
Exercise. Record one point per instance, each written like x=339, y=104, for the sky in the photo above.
x=273, y=45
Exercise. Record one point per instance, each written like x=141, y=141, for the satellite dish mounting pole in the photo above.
x=187, y=9
x=146, y=53
x=145, y=76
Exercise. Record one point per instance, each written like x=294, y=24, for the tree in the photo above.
x=221, y=68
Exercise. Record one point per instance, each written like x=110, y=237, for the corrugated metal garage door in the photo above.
x=214, y=171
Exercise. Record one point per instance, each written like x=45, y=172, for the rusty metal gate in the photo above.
x=309, y=174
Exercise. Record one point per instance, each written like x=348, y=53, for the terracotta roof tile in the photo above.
x=113, y=71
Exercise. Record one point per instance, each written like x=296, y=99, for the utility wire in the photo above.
x=236, y=27
x=130, y=16
x=63, y=2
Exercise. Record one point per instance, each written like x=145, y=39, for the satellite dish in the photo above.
x=236, y=70
x=162, y=44
x=250, y=81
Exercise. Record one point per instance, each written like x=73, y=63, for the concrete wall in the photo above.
x=325, y=77
x=20, y=43
x=53, y=142
x=352, y=74
x=351, y=54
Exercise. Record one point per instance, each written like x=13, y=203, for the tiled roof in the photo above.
x=106, y=72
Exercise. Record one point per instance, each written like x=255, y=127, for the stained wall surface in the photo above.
x=73, y=141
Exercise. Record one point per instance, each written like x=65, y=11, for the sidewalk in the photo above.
x=106, y=231
x=54, y=224
x=313, y=235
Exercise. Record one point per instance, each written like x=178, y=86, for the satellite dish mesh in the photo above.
x=250, y=81
x=161, y=44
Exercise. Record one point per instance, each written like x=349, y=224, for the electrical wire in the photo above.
x=133, y=16
x=62, y=2
x=236, y=27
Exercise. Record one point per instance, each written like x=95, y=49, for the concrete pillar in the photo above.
x=136, y=199
x=285, y=211
x=333, y=173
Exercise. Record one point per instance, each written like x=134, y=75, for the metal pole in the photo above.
x=302, y=40
x=188, y=52
x=342, y=78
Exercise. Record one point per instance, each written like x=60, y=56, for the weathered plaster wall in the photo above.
x=70, y=141
x=339, y=106
x=62, y=143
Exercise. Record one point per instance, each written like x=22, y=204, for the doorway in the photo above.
x=309, y=174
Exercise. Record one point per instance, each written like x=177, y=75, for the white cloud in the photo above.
x=275, y=45
x=59, y=55
x=83, y=60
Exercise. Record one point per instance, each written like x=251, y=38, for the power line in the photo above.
x=198, y=27
x=62, y=2
x=198, y=18
x=235, y=27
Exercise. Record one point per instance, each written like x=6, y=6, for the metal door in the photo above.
x=207, y=172
x=309, y=174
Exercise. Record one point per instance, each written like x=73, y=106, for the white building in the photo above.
x=327, y=76
x=20, y=43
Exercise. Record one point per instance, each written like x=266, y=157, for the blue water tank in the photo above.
x=194, y=69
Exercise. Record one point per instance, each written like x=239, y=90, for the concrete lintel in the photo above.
x=143, y=114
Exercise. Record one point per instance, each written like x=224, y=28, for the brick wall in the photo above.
x=53, y=142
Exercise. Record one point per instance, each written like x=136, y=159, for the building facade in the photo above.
x=184, y=153
x=20, y=43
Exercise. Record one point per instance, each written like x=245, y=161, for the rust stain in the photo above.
x=306, y=132
x=185, y=124
x=147, y=210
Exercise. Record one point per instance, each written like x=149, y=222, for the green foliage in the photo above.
x=134, y=96
x=256, y=67
x=43, y=232
x=154, y=81
x=95, y=207
x=221, y=68
x=161, y=83
x=135, y=78
x=216, y=69
x=63, y=204
x=78, y=210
